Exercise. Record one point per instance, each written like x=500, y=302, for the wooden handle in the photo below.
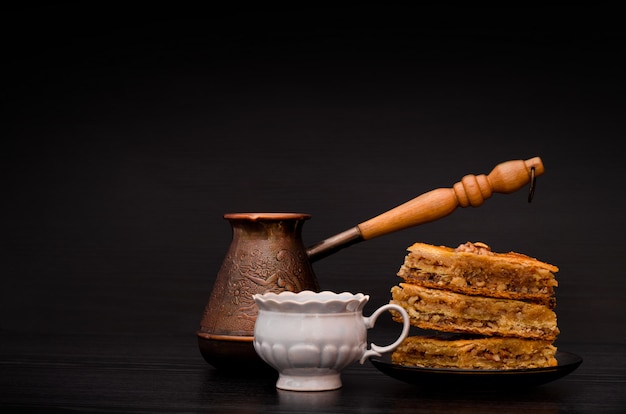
x=472, y=191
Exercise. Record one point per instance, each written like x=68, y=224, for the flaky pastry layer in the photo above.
x=446, y=311
x=475, y=353
x=473, y=269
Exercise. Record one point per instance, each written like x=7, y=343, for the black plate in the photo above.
x=485, y=380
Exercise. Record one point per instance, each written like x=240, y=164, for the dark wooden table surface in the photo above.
x=159, y=373
x=128, y=133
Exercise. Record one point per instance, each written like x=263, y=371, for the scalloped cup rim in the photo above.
x=308, y=301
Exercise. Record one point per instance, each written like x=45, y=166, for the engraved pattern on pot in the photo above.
x=255, y=273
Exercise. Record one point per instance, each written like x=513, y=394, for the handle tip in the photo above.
x=536, y=163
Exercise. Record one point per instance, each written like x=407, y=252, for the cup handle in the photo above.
x=376, y=350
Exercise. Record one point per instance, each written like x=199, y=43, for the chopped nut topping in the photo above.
x=478, y=248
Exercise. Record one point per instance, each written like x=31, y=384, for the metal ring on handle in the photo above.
x=376, y=350
x=531, y=192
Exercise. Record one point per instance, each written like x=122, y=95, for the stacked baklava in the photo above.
x=478, y=309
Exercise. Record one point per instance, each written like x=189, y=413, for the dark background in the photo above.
x=129, y=132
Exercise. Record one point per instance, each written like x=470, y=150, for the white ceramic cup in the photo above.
x=309, y=337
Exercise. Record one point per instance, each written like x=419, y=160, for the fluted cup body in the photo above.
x=309, y=337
